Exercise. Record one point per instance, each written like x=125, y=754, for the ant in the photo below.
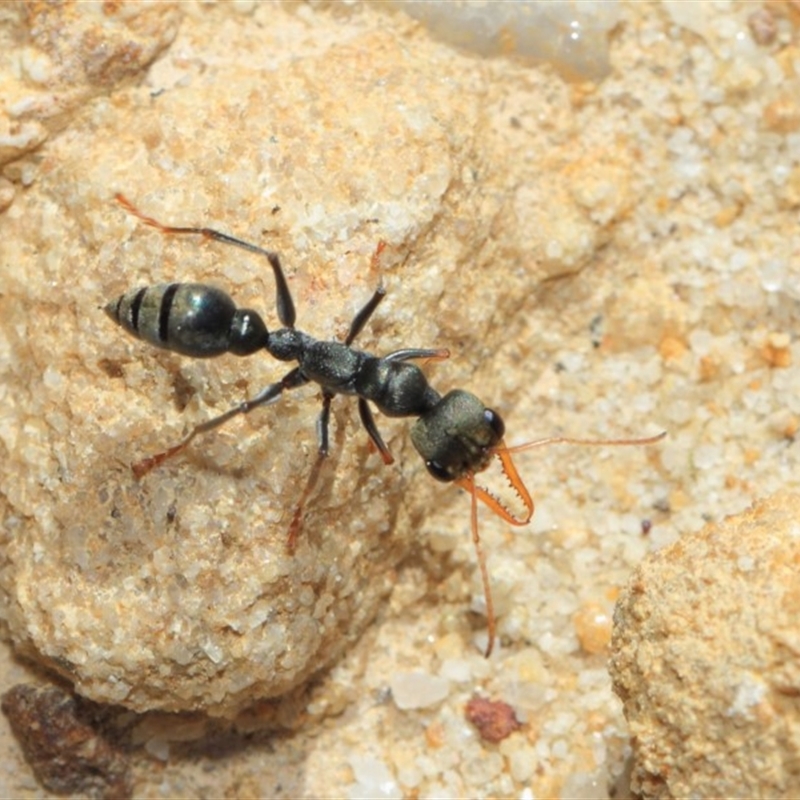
x=456, y=435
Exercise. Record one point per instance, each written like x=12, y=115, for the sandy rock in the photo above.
x=176, y=592
x=662, y=204
x=56, y=56
x=705, y=659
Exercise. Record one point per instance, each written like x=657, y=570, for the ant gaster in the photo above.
x=456, y=434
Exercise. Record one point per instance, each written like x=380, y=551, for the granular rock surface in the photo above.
x=176, y=591
x=704, y=657
x=609, y=257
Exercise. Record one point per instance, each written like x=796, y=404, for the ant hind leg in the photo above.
x=283, y=297
x=266, y=396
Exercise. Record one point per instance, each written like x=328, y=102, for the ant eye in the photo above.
x=495, y=422
x=438, y=471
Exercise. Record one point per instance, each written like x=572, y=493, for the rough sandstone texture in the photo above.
x=602, y=259
x=55, y=57
x=176, y=592
x=705, y=659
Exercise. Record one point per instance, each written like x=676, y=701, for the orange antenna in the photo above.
x=468, y=483
x=518, y=448
x=503, y=453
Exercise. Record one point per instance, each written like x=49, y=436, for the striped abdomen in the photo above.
x=189, y=318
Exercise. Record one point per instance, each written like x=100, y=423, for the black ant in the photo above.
x=456, y=434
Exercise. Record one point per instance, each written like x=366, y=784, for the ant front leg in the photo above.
x=368, y=421
x=409, y=353
x=266, y=396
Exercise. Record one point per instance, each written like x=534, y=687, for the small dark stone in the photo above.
x=494, y=719
x=63, y=740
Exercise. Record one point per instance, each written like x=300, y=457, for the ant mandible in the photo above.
x=456, y=434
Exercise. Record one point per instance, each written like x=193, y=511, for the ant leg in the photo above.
x=323, y=423
x=368, y=421
x=322, y=453
x=360, y=319
x=266, y=396
x=409, y=353
x=283, y=297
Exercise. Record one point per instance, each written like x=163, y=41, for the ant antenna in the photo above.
x=494, y=503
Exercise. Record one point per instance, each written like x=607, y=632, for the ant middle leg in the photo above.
x=361, y=318
x=356, y=326
x=283, y=297
x=266, y=396
x=323, y=424
x=363, y=315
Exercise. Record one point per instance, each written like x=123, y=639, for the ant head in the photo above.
x=457, y=436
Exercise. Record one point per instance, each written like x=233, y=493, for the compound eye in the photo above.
x=439, y=472
x=495, y=422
